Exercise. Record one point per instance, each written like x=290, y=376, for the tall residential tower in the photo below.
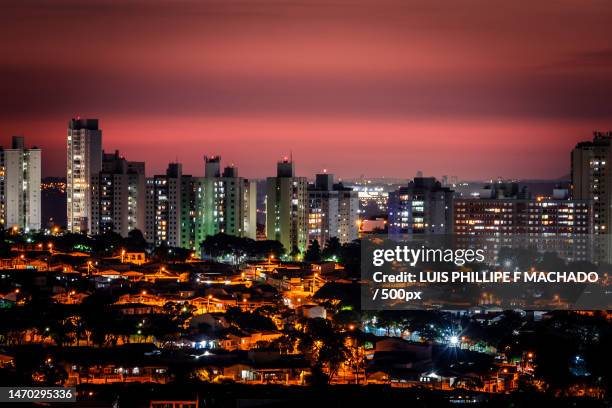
x=225, y=202
x=421, y=207
x=592, y=181
x=20, y=186
x=84, y=161
x=118, y=196
x=286, y=207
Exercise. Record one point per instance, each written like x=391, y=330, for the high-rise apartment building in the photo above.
x=421, y=207
x=286, y=207
x=333, y=211
x=183, y=210
x=322, y=209
x=20, y=170
x=557, y=223
x=555, y=215
x=118, y=196
x=164, y=210
x=225, y=202
x=84, y=161
x=348, y=214
x=592, y=180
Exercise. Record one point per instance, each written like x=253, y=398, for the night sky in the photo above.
x=473, y=88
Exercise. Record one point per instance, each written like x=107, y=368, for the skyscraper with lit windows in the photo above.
x=164, y=223
x=286, y=207
x=332, y=211
x=118, y=196
x=592, y=180
x=224, y=202
x=421, y=207
x=20, y=186
x=84, y=148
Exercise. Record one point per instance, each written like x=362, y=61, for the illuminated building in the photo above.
x=524, y=220
x=183, y=210
x=323, y=216
x=164, y=214
x=522, y=215
x=421, y=207
x=20, y=186
x=286, y=207
x=118, y=196
x=592, y=180
x=224, y=202
x=332, y=211
x=348, y=214
x=84, y=161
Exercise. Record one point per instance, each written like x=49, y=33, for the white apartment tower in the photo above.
x=20, y=186
x=332, y=211
x=165, y=218
x=84, y=161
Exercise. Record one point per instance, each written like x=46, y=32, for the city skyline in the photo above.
x=395, y=86
x=306, y=168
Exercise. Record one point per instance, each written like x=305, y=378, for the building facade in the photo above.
x=118, y=196
x=556, y=215
x=323, y=214
x=333, y=211
x=286, y=207
x=164, y=223
x=592, y=180
x=225, y=203
x=421, y=207
x=348, y=214
x=84, y=147
x=20, y=170
x=556, y=223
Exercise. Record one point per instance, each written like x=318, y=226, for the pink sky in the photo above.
x=477, y=89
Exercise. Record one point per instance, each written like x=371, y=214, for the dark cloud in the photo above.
x=49, y=92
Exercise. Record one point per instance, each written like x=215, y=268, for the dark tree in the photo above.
x=332, y=248
x=313, y=253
